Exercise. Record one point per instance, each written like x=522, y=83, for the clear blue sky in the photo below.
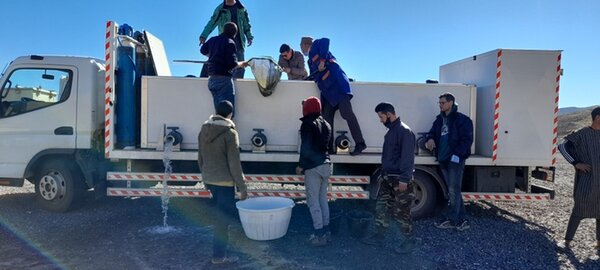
x=390, y=41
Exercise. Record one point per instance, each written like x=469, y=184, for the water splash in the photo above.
x=162, y=230
x=164, y=197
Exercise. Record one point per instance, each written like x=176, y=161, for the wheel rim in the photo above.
x=52, y=186
x=419, y=196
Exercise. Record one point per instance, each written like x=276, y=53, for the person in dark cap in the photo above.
x=292, y=63
x=219, y=162
x=222, y=60
x=314, y=163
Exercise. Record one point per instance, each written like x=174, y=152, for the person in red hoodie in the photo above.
x=314, y=163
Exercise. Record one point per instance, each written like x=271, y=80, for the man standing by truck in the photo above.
x=219, y=162
x=221, y=61
x=235, y=12
x=335, y=88
x=395, y=195
x=582, y=150
x=452, y=136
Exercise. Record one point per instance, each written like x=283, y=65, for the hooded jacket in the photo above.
x=315, y=133
x=460, y=132
x=221, y=16
x=333, y=81
x=219, y=154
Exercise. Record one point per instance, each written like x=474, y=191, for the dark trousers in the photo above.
x=347, y=114
x=453, y=175
x=224, y=200
x=574, y=223
x=394, y=203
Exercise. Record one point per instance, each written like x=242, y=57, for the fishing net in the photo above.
x=267, y=74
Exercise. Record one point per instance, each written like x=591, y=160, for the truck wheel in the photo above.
x=59, y=186
x=425, y=195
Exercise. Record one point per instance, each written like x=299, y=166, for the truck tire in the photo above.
x=59, y=186
x=425, y=195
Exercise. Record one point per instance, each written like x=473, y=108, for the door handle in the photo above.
x=63, y=131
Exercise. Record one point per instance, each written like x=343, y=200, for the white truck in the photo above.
x=62, y=129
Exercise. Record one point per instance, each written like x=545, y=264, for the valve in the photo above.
x=342, y=142
x=258, y=140
x=173, y=136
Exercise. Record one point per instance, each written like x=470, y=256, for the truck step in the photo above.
x=476, y=196
x=203, y=193
x=291, y=179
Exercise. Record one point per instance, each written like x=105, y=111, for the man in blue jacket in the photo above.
x=335, y=88
x=452, y=136
x=222, y=59
x=395, y=195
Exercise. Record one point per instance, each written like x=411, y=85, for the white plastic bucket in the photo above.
x=265, y=218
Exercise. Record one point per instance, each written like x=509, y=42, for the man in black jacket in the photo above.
x=222, y=60
x=452, y=136
x=315, y=165
x=395, y=195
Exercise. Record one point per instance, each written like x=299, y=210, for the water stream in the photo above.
x=164, y=197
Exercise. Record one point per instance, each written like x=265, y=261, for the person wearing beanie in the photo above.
x=292, y=63
x=334, y=85
x=219, y=162
x=315, y=165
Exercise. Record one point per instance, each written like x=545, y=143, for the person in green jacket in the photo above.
x=219, y=162
x=230, y=11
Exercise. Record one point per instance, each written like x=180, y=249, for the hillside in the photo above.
x=573, y=121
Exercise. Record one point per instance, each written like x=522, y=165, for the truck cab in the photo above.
x=50, y=109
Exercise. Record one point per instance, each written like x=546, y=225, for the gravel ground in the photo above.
x=120, y=233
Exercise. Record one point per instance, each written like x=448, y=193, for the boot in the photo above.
x=375, y=239
x=407, y=246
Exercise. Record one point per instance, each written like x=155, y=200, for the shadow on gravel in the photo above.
x=118, y=233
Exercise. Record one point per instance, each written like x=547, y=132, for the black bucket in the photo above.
x=335, y=218
x=358, y=222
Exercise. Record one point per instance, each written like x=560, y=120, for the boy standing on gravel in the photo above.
x=219, y=162
x=314, y=163
x=395, y=195
x=582, y=150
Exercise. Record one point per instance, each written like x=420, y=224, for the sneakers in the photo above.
x=446, y=224
x=407, y=246
x=318, y=241
x=224, y=260
x=564, y=245
x=328, y=236
x=464, y=225
x=375, y=239
x=358, y=149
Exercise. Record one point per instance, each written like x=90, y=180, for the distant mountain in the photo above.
x=568, y=110
x=569, y=122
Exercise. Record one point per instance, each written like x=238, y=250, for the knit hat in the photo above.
x=306, y=40
x=311, y=105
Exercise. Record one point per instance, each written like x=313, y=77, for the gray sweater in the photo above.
x=219, y=154
x=296, y=65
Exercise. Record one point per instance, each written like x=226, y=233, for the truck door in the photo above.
x=37, y=113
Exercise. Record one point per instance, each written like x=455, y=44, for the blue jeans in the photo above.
x=221, y=88
x=453, y=175
x=224, y=200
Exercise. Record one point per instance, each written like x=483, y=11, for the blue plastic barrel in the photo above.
x=126, y=104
